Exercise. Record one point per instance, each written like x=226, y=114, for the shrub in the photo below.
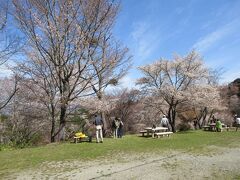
x=183, y=126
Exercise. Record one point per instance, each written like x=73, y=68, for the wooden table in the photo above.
x=153, y=130
x=213, y=126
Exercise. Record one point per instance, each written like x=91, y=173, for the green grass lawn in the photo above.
x=194, y=141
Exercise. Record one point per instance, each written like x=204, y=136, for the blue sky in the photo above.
x=159, y=28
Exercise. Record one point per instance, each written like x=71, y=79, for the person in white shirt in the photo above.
x=237, y=121
x=98, y=123
x=164, y=122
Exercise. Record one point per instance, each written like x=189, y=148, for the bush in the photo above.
x=20, y=140
x=183, y=126
x=36, y=139
x=4, y=147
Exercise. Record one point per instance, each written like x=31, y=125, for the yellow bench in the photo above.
x=80, y=136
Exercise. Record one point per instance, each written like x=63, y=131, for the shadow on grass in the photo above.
x=185, y=132
x=194, y=131
x=140, y=136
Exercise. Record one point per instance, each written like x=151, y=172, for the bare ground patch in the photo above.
x=219, y=163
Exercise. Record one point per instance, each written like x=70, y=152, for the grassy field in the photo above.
x=194, y=141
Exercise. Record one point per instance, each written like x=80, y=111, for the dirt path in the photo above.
x=221, y=163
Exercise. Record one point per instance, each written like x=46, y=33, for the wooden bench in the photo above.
x=161, y=134
x=143, y=132
x=209, y=128
x=206, y=128
x=227, y=128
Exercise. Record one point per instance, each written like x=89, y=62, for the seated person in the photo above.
x=213, y=119
x=218, y=126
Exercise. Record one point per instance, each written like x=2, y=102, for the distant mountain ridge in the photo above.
x=236, y=82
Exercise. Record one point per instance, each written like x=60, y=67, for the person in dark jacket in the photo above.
x=98, y=124
x=115, y=126
x=120, y=129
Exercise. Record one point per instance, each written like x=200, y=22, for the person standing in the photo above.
x=195, y=124
x=213, y=119
x=98, y=124
x=164, y=122
x=120, y=129
x=115, y=126
x=237, y=121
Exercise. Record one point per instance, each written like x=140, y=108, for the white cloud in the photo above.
x=139, y=29
x=231, y=76
x=206, y=42
x=125, y=82
x=179, y=10
x=4, y=69
x=145, y=40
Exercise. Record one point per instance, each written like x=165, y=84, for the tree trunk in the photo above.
x=104, y=123
x=105, y=126
x=61, y=135
x=172, y=117
x=51, y=110
x=205, y=111
x=53, y=130
x=211, y=114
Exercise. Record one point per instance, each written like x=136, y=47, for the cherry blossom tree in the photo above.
x=64, y=35
x=27, y=117
x=128, y=107
x=103, y=106
x=204, y=100
x=110, y=63
x=122, y=103
x=183, y=80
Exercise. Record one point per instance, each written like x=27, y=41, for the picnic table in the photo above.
x=212, y=127
x=155, y=130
